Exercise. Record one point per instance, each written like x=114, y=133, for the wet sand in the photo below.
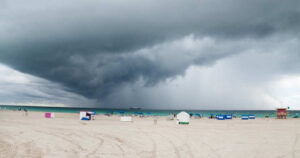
x=66, y=136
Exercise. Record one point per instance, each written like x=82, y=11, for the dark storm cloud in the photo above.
x=95, y=47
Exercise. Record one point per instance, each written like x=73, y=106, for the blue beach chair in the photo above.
x=251, y=116
x=245, y=117
x=85, y=118
x=220, y=117
x=228, y=116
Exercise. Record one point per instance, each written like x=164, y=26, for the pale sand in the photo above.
x=67, y=136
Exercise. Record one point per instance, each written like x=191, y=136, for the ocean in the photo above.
x=203, y=113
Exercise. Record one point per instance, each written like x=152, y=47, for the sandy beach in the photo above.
x=65, y=136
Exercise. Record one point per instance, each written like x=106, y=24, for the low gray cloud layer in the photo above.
x=22, y=89
x=96, y=48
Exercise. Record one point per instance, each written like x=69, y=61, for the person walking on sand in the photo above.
x=26, y=113
x=155, y=120
x=266, y=116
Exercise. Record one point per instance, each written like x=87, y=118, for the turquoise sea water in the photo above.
x=204, y=113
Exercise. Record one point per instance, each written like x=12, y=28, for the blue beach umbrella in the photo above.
x=140, y=113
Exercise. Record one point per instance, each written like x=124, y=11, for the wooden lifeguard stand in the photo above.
x=281, y=113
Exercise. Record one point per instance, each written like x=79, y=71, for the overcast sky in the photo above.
x=192, y=54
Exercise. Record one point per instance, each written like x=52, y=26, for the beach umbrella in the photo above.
x=197, y=114
x=148, y=113
x=138, y=113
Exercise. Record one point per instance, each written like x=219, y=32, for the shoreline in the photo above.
x=203, y=113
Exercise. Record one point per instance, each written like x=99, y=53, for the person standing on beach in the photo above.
x=26, y=113
x=155, y=120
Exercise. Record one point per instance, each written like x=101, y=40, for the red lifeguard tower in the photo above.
x=281, y=113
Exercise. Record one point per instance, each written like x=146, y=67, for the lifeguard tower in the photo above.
x=281, y=113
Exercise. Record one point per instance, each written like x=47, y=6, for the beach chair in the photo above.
x=245, y=117
x=49, y=115
x=228, y=116
x=220, y=117
x=85, y=118
x=251, y=116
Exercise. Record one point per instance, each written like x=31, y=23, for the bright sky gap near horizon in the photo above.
x=171, y=54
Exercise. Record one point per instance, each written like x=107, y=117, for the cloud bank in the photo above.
x=22, y=89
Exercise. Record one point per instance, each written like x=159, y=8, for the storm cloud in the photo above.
x=98, y=48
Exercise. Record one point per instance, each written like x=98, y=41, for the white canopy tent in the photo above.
x=126, y=119
x=87, y=115
x=183, y=118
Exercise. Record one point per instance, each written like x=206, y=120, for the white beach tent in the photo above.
x=183, y=118
x=87, y=115
x=126, y=119
x=83, y=115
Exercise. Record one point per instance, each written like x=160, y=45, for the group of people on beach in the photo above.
x=25, y=111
